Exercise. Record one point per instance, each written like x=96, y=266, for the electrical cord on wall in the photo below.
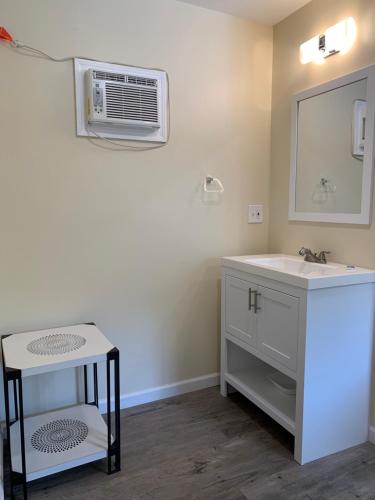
x=120, y=146
x=114, y=146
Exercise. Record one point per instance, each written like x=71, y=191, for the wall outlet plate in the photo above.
x=255, y=214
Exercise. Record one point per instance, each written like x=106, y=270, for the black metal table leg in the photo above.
x=86, y=390
x=117, y=412
x=15, y=397
x=114, y=449
x=16, y=478
x=22, y=437
x=7, y=416
x=96, y=395
x=109, y=433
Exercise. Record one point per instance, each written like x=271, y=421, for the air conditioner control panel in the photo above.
x=98, y=98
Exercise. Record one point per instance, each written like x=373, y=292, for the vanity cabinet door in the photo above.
x=277, y=331
x=239, y=320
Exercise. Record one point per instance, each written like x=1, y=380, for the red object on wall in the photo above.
x=4, y=35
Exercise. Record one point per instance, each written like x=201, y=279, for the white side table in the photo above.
x=58, y=440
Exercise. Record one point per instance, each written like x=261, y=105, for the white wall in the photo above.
x=124, y=239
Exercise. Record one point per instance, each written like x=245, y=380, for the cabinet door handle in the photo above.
x=256, y=307
x=250, y=304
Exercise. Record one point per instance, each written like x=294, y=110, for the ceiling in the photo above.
x=263, y=11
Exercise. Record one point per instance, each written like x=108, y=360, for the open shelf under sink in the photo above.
x=250, y=376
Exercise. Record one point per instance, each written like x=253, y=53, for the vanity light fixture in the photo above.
x=336, y=39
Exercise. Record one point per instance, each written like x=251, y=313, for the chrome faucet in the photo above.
x=313, y=257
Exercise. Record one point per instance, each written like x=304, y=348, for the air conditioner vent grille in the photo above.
x=136, y=80
x=116, y=77
x=125, y=102
x=121, y=78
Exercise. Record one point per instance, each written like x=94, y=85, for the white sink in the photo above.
x=295, y=271
x=294, y=266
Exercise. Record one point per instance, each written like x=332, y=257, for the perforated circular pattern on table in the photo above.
x=59, y=343
x=59, y=435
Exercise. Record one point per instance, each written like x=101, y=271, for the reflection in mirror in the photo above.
x=330, y=151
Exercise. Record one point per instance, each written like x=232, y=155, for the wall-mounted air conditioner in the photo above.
x=121, y=102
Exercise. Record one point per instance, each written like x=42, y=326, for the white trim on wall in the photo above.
x=164, y=391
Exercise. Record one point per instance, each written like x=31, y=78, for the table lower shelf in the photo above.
x=59, y=440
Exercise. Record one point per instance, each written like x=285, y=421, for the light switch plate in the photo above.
x=255, y=214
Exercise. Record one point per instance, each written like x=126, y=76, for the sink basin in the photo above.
x=295, y=271
x=294, y=266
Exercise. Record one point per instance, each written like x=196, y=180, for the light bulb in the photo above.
x=338, y=39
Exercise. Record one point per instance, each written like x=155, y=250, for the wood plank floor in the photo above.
x=201, y=446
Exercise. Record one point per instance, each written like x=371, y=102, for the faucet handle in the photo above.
x=304, y=251
x=322, y=255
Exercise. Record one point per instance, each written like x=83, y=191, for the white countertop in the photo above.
x=293, y=270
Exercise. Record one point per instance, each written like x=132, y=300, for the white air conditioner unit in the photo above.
x=121, y=102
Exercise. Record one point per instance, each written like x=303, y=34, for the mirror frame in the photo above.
x=364, y=217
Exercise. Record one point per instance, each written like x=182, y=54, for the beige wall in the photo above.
x=352, y=244
x=124, y=239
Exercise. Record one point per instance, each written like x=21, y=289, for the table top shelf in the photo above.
x=54, y=349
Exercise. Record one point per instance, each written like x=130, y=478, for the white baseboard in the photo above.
x=371, y=434
x=164, y=391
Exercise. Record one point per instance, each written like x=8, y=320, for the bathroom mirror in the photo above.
x=332, y=152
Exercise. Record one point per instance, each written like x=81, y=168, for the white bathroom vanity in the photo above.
x=297, y=341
